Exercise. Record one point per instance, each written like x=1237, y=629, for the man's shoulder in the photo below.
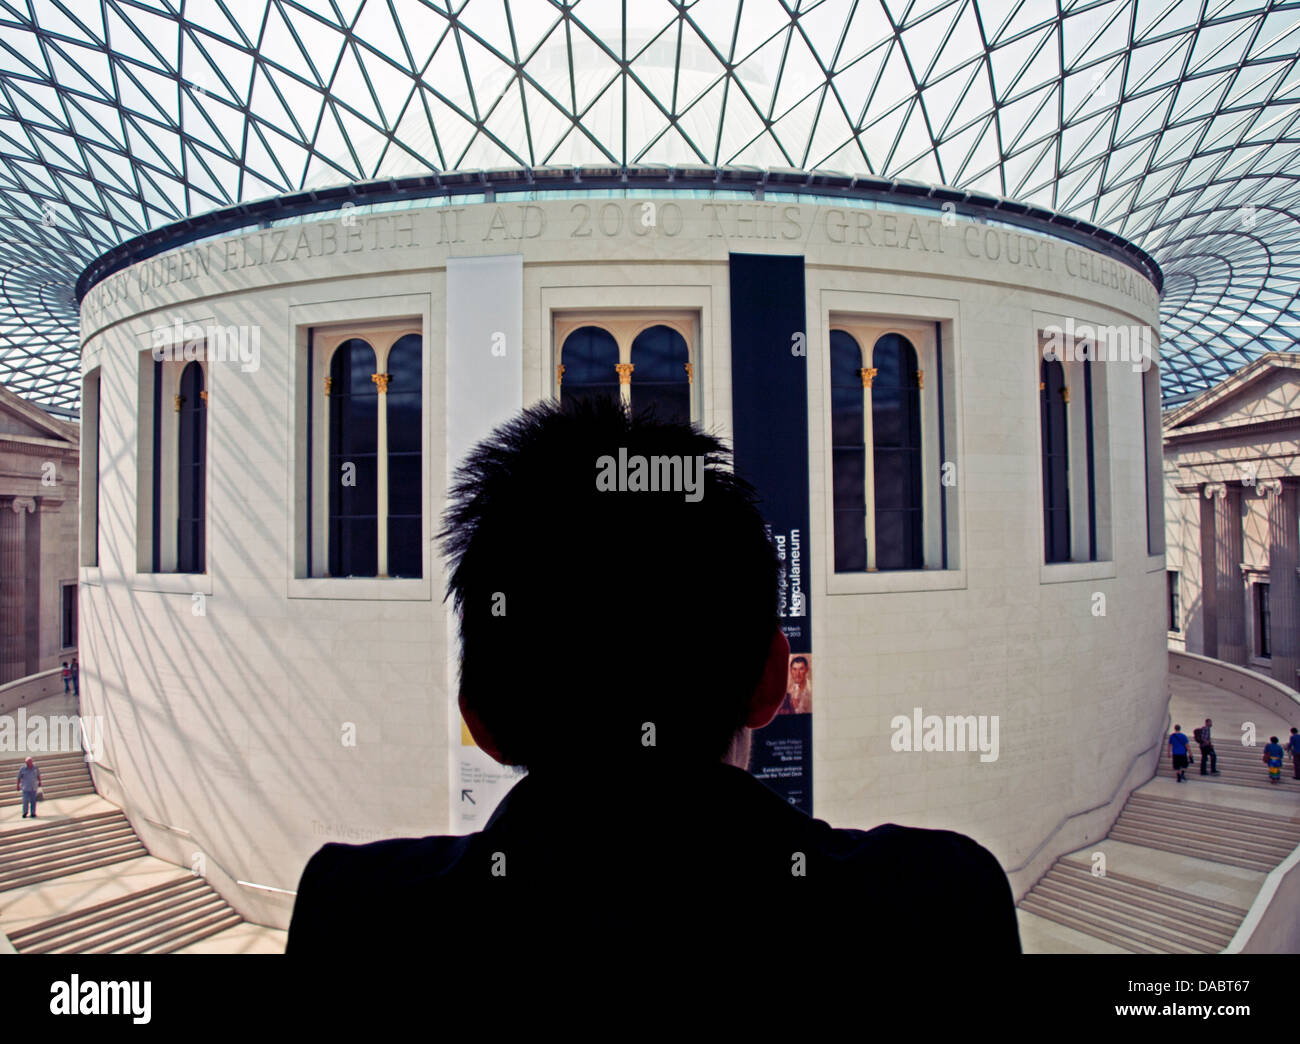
x=348, y=893
x=909, y=849
x=395, y=860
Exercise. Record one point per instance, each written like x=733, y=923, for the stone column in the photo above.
x=13, y=587
x=1283, y=581
x=868, y=375
x=381, y=474
x=1231, y=607
x=1209, y=644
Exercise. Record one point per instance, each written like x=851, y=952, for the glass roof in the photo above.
x=1173, y=123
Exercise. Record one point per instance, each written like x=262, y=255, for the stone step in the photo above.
x=1211, y=918
x=1213, y=854
x=1241, y=840
x=1102, y=927
x=1120, y=909
x=58, y=930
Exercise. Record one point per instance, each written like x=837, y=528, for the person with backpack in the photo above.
x=1294, y=743
x=1178, y=748
x=1203, y=740
x=1273, y=759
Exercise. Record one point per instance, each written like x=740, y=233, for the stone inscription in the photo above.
x=631, y=220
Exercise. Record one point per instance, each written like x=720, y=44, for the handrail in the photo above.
x=1259, y=908
x=1258, y=688
x=14, y=689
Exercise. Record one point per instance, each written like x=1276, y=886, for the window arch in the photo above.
x=588, y=365
x=661, y=373
x=191, y=485
x=403, y=480
x=353, y=450
x=896, y=453
x=1053, y=398
x=848, y=453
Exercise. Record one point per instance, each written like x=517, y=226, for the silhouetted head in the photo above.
x=667, y=598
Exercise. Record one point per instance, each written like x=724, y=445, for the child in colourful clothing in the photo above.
x=67, y=677
x=1273, y=759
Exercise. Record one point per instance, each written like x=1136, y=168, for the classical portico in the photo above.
x=38, y=538
x=1232, y=473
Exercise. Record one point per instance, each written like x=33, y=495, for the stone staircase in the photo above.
x=35, y=853
x=70, y=841
x=1244, y=767
x=1142, y=916
x=1235, y=836
x=1130, y=913
x=160, y=919
x=62, y=775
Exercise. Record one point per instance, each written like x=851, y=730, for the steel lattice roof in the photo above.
x=1172, y=123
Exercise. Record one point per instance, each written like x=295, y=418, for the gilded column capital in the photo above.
x=204, y=395
x=868, y=374
x=690, y=373
x=1065, y=393
x=176, y=402
x=559, y=373
x=624, y=371
x=329, y=383
x=920, y=378
x=381, y=381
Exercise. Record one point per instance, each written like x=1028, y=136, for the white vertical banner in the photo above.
x=485, y=387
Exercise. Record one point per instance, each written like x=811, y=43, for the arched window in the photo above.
x=191, y=455
x=405, y=495
x=1056, y=461
x=660, y=374
x=896, y=455
x=848, y=454
x=588, y=358
x=353, y=442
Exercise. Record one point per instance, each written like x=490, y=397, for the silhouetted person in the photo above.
x=637, y=830
x=1293, y=744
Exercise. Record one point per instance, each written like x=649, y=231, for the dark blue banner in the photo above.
x=769, y=402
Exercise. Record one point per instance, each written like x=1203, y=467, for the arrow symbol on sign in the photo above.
x=465, y=796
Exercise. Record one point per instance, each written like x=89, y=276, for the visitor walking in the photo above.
x=1294, y=743
x=76, y=680
x=67, y=678
x=1273, y=759
x=1178, y=748
x=1204, y=741
x=29, y=782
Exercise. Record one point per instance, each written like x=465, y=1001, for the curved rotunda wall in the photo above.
x=255, y=712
